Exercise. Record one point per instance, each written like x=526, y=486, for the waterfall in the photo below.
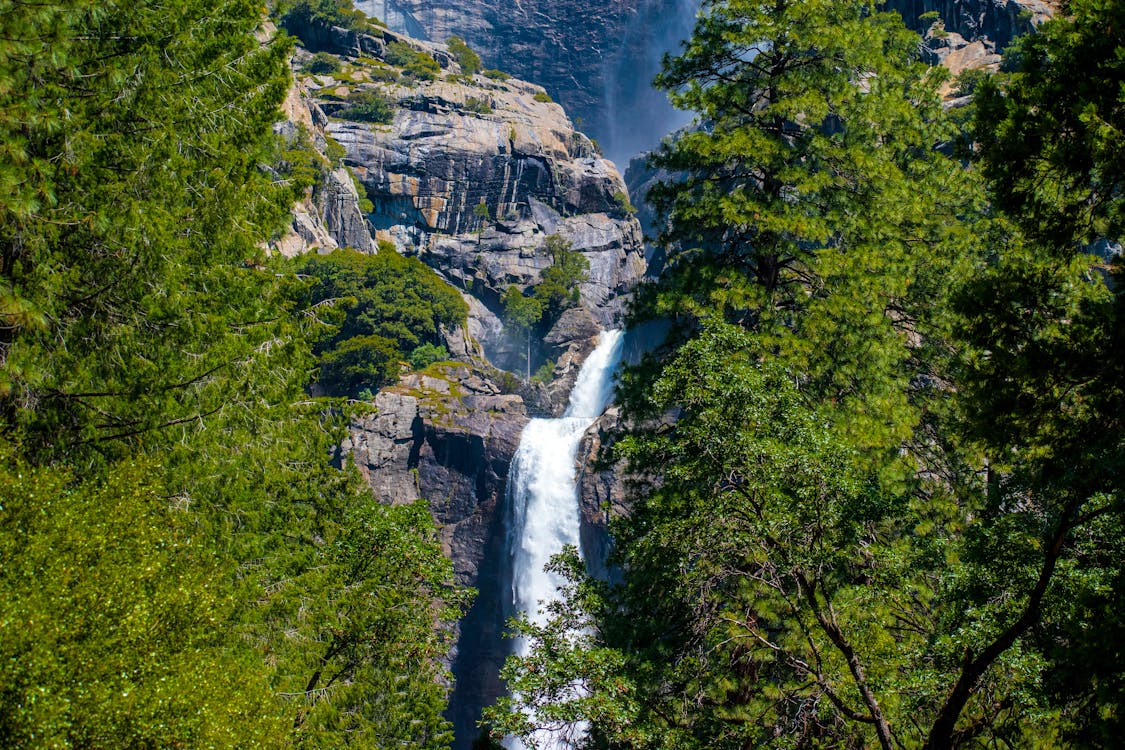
x=639, y=116
x=543, y=494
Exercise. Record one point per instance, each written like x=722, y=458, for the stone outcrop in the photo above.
x=599, y=62
x=596, y=59
x=601, y=491
x=446, y=435
x=474, y=177
x=994, y=23
x=329, y=216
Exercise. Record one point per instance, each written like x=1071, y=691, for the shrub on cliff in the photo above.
x=381, y=308
x=322, y=63
x=414, y=63
x=468, y=60
x=369, y=105
x=305, y=18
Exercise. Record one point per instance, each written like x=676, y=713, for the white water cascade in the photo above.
x=543, y=492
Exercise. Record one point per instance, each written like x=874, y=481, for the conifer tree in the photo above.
x=766, y=557
x=139, y=324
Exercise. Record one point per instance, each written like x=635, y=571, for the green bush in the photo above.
x=544, y=373
x=480, y=106
x=414, y=63
x=621, y=198
x=558, y=287
x=384, y=74
x=542, y=96
x=425, y=355
x=967, y=81
x=496, y=75
x=369, y=105
x=508, y=382
x=303, y=16
x=365, y=204
x=468, y=60
x=334, y=150
x=357, y=363
x=301, y=165
x=322, y=63
x=386, y=303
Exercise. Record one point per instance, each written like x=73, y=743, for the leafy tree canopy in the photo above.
x=386, y=306
x=468, y=59
x=164, y=599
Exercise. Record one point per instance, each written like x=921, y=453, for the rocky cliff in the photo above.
x=994, y=23
x=598, y=60
x=448, y=435
x=471, y=173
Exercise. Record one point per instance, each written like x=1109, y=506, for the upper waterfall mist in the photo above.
x=639, y=115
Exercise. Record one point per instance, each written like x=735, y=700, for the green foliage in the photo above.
x=884, y=514
x=480, y=106
x=558, y=286
x=364, y=203
x=481, y=212
x=545, y=373
x=334, y=150
x=796, y=572
x=621, y=198
x=468, y=60
x=165, y=599
x=359, y=362
x=507, y=382
x=542, y=96
x=1044, y=384
x=380, y=307
x=1051, y=141
x=322, y=63
x=968, y=81
x=522, y=313
x=129, y=205
x=113, y=620
x=520, y=310
x=369, y=105
x=384, y=74
x=425, y=355
x=302, y=165
x=307, y=19
x=415, y=63
x=496, y=75
x=373, y=676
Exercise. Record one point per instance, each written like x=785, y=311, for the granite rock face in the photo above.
x=474, y=177
x=601, y=491
x=448, y=436
x=994, y=23
x=597, y=59
x=329, y=216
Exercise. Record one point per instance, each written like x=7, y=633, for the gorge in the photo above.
x=545, y=516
